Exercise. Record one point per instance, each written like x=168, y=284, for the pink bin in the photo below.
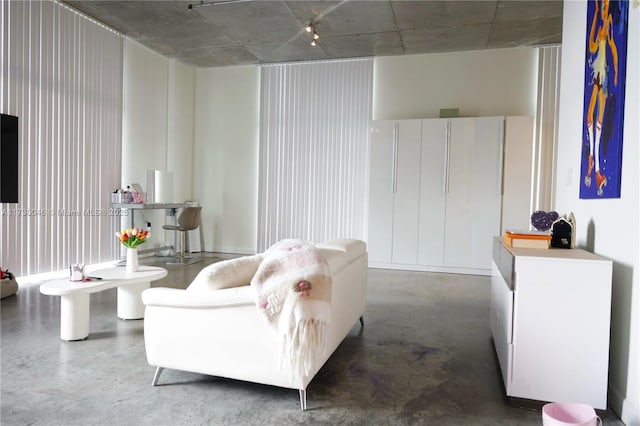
x=569, y=413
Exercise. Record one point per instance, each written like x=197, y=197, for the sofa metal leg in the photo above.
x=362, y=321
x=303, y=399
x=156, y=376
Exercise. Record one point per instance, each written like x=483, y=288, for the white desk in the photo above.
x=74, y=296
x=171, y=210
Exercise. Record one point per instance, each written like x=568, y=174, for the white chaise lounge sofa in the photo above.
x=221, y=332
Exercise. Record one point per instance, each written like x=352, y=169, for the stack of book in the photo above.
x=527, y=239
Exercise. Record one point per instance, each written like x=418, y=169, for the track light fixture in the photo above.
x=202, y=3
x=311, y=28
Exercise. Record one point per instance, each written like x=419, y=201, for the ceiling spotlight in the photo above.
x=315, y=35
x=309, y=27
x=313, y=43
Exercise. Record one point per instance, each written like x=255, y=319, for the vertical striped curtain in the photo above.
x=314, y=138
x=62, y=77
x=546, y=127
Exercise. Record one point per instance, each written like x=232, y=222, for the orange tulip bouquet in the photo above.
x=132, y=238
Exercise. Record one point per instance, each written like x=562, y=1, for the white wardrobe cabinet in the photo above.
x=473, y=192
x=442, y=208
x=394, y=191
x=381, y=186
x=517, y=197
x=434, y=179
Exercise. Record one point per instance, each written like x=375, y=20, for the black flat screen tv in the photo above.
x=9, y=159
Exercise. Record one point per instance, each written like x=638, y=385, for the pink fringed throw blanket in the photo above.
x=293, y=290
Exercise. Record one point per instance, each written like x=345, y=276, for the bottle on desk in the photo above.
x=116, y=196
x=127, y=196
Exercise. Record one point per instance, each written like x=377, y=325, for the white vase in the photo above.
x=132, y=259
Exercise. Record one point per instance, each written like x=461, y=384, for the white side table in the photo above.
x=74, y=296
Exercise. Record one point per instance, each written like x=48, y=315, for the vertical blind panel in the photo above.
x=314, y=138
x=546, y=127
x=62, y=77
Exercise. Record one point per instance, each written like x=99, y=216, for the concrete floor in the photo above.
x=424, y=357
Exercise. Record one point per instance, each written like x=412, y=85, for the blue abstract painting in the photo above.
x=604, y=90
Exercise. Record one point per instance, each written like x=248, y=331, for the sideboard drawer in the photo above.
x=504, y=260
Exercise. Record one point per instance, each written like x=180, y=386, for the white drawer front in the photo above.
x=501, y=321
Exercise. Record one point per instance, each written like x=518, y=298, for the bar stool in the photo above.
x=188, y=220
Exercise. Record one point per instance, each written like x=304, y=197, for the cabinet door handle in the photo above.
x=447, y=148
x=394, y=160
x=501, y=157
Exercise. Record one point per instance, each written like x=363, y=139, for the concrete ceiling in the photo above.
x=265, y=31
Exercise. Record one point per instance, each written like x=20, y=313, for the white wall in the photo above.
x=225, y=165
x=181, y=95
x=609, y=227
x=145, y=112
x=157, y=126
x=479, y=83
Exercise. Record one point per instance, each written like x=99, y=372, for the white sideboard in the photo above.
x=550, y=314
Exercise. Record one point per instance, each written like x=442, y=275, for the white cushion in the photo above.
x=226, y=274
x=178, y=298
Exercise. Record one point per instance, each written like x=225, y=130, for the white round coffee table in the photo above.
x=74, y=296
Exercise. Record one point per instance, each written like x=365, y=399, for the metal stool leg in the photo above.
x=183, y=260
